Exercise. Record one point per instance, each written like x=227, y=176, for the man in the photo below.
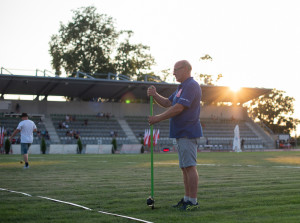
x=26, y=127
x=183, y=111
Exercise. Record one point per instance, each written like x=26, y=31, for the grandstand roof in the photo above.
x=114, y=90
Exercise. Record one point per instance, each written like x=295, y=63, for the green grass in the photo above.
x=239, y=187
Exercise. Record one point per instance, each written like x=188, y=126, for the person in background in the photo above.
x=26, y=128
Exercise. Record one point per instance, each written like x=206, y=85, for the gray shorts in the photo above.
x=187, y=152
x=25, y=148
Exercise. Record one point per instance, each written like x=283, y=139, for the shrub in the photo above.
x=7, y=146
x=143, y=148
x=79, y=146
x=43, y=146
x=114, y=143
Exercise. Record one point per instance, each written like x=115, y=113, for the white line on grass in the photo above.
x=295, y=167
x=77, y=205
x=64, y=202
x=122, y=216
x=12, y=191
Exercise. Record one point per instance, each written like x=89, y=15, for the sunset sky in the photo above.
x=253, y=43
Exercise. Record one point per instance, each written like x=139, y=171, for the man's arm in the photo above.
x=14, y=133
x=162, y=101
x=169, y=113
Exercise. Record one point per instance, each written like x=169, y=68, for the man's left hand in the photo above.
x=153, y=119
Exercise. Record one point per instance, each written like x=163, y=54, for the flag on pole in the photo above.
x=146, y=137
x=156, y=136
x=149, y=138
x=1, y=136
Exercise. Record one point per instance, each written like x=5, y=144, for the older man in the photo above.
x=183, y=111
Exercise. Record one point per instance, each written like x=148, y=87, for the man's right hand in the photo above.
x=151, y=91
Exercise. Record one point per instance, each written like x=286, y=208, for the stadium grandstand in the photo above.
x=100, y=109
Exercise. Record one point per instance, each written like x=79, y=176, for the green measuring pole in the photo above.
x=151, y=140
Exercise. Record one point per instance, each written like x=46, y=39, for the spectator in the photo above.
x=112, y=133
x=38, y=133
x=99, y=115
x=18, y=107
x=76, y=134
x=242, y=144
x=65, y=126
x=86, y=122
x=47, y=136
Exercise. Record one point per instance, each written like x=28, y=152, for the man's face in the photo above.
x=179, y=72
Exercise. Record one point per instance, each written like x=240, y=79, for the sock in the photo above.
x=186, y=198
x=193, y=200
x=26, y=164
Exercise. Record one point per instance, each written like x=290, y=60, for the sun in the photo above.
x=234, y=87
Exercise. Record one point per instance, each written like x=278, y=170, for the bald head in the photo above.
x=186, y=64
x=182, y=70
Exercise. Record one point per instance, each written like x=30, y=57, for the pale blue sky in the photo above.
x=253, y=43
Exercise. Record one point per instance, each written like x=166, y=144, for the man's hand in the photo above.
x=151, y=91
x=153, y=119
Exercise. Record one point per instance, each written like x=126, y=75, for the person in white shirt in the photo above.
x=26, y=127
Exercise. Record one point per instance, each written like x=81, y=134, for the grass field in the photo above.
x=233, y=187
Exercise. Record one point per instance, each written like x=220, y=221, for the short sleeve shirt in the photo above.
x=26, y=127
x=187, y=123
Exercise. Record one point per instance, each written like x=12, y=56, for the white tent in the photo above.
x=237, y=140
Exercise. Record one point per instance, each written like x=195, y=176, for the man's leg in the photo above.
x=187, y=153
x=25, y=157
x=24, y=151
x=191, y=178
x=186, y=185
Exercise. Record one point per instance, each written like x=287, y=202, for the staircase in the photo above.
x=269, y=142
x=126, y=128
x=51, y=130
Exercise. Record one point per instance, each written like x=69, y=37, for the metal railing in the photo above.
x=78, y=74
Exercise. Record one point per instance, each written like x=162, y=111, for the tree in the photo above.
x=133, y=59
x=274, y=110
x=166, y=73
x=90, y=43
x=208, y=79
x=206, y=57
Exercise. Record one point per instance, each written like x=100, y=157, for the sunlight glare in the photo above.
x=234, y=88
